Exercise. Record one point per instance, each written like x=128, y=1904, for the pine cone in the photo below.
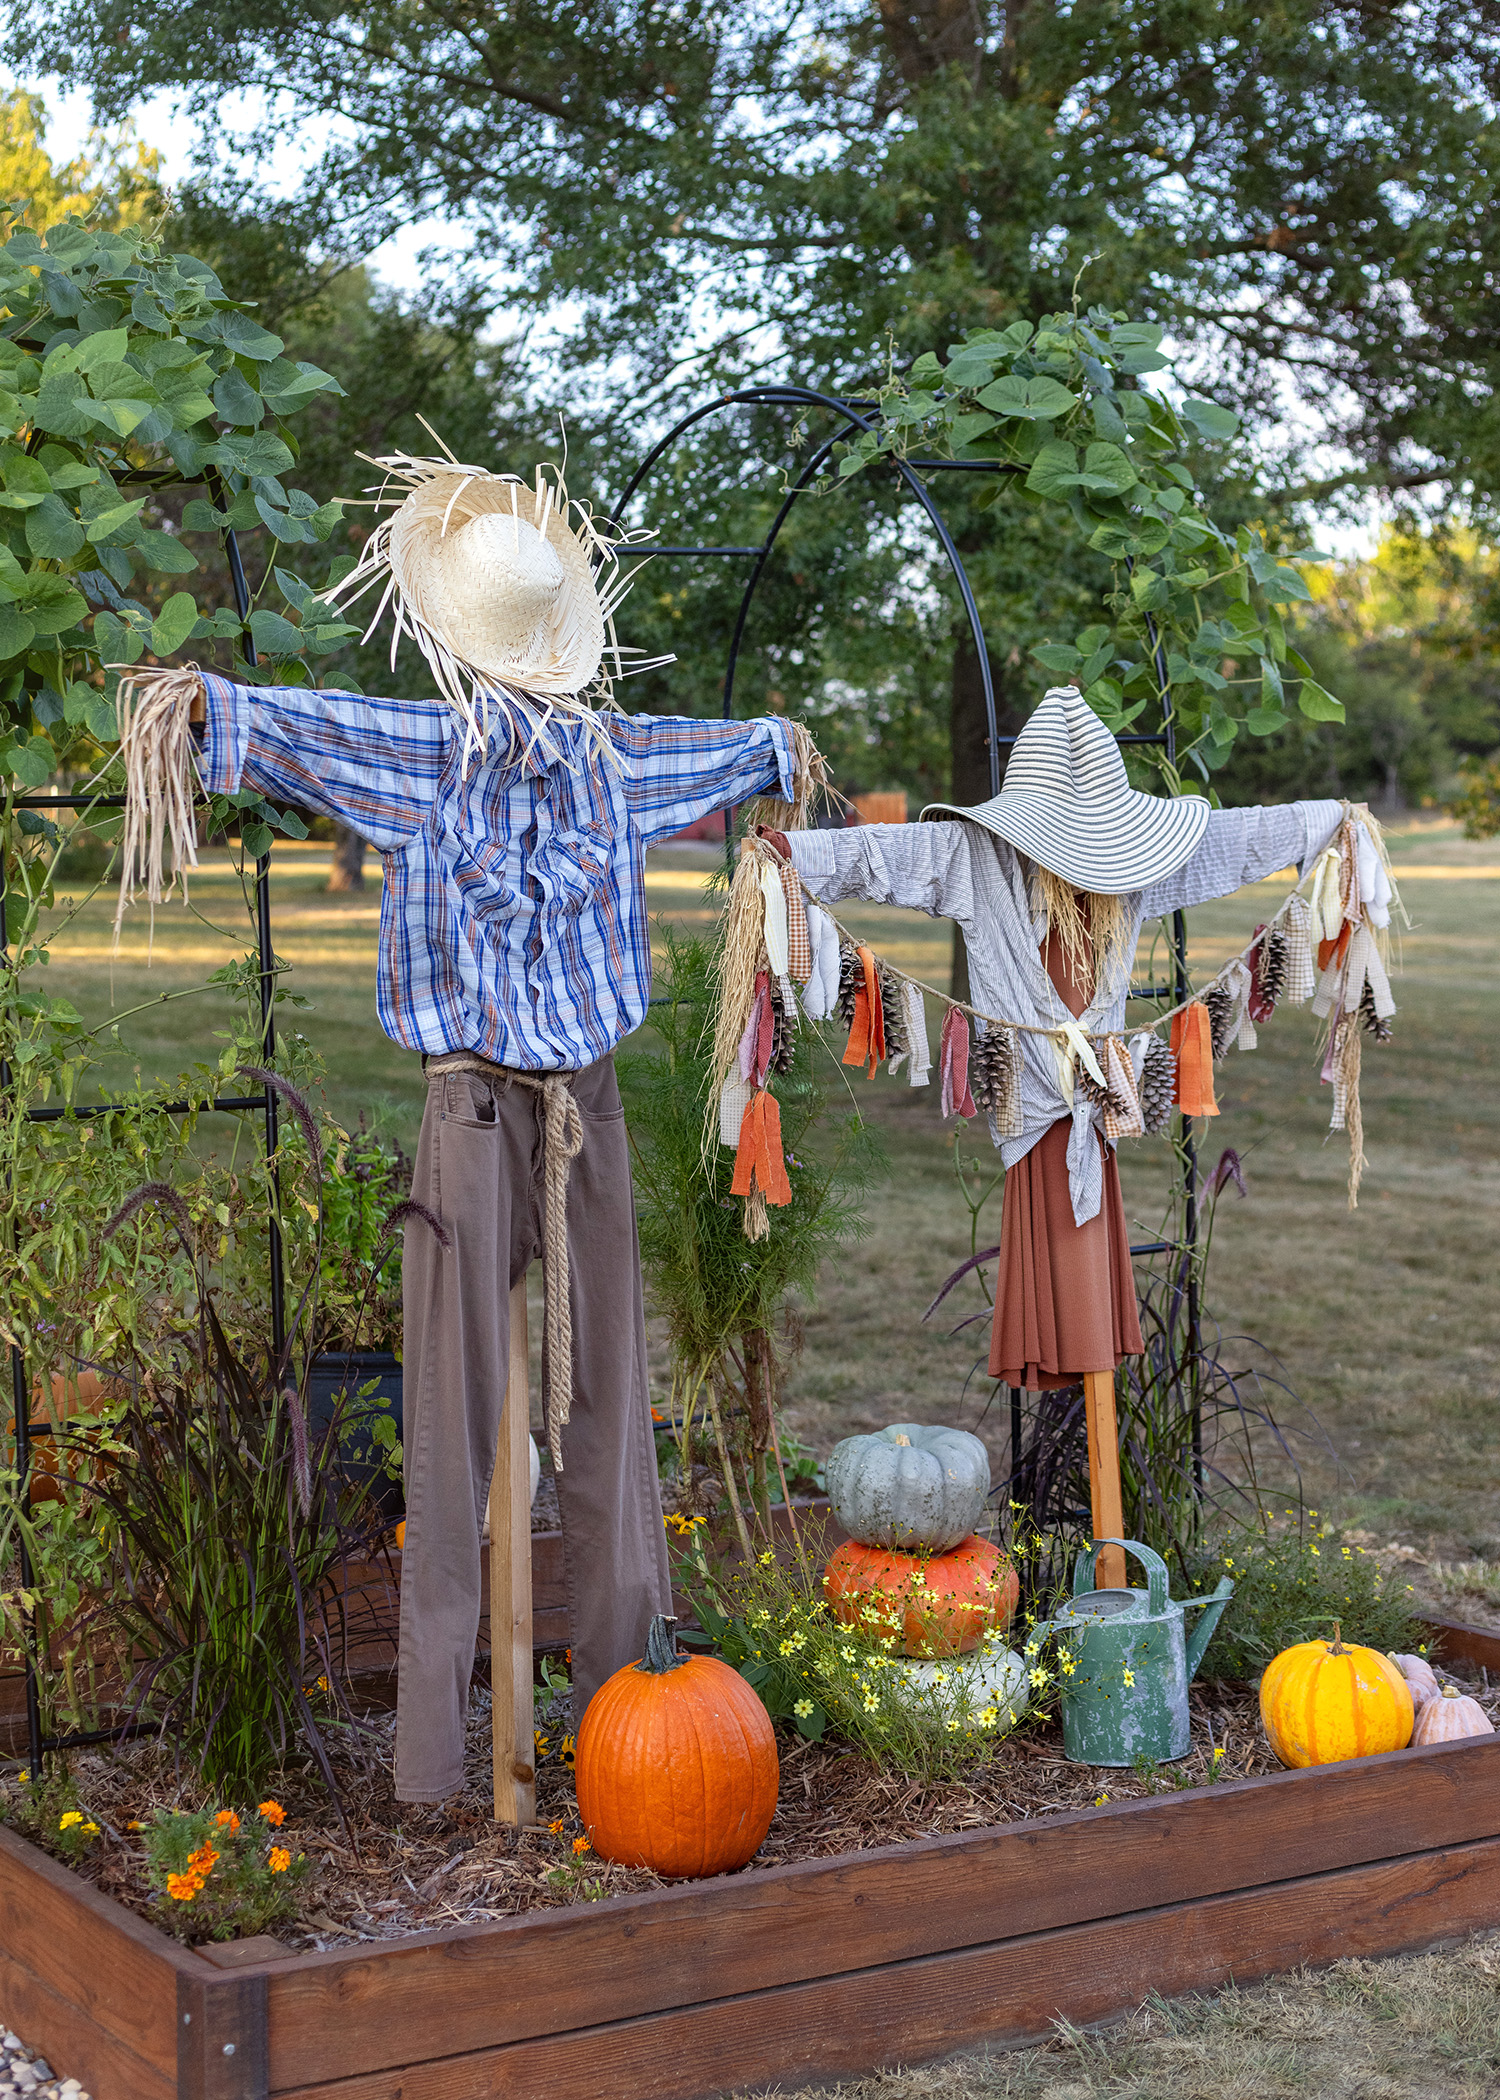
x=783, y=1030
x=1220, y=1003
x=993, y=1073
x=851, y=975
x=1102, y=1096
x=1379, y=1025
x=1270, y=974
x=1158, y=1085
x=894, y=1013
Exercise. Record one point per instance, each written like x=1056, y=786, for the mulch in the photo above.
x=391, y=1869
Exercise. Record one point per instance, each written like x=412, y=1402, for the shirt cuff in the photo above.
x=226, y=734
x=812, y=853
x=785, y=746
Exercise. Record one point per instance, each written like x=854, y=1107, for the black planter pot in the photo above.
x=336, y=1375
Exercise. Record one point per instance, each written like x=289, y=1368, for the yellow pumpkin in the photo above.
x=1322, y=1702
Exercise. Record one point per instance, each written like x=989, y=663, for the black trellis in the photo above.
x=856, y=418
x=38, y=1741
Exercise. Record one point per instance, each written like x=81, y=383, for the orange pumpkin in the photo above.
x=1322, y=1702
x=675, y=1764
x=934, y=1603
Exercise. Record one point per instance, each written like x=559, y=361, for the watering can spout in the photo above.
x=1212, y=1610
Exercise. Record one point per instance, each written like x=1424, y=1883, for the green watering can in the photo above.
x=1126, y=1696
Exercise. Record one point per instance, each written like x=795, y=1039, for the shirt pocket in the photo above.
x=572, y=868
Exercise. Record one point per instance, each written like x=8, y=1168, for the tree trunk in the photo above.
x=969, y=746
x=346, y=871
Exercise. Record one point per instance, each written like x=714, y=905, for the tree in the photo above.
x=1301, y=192
x=117, y=181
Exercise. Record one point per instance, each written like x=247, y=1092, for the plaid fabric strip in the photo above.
x=513, y=915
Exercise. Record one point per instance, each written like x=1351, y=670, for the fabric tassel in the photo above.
x=866, y=1044
x=919, y=1071
x=822, y=994
x=741, y=960
x=776, y=923
x=1240, y=984
x=1300, y=980
x=799, y=957
x=953, y=1066
x=760, y=1164
x=1192, y=1046
x=1122, y=1115
x=1157, y=1085
x=1345, y=1043
x=734, y=1099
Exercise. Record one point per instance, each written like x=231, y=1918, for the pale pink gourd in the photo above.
x=1450, y=1717
x=1420, y=1675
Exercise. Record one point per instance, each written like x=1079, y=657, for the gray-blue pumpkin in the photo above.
x=909, y=1486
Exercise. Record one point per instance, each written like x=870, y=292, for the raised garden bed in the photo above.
x=813, y=1969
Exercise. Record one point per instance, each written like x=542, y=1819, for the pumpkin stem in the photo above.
x=1338, y=1647
x=661, y=1648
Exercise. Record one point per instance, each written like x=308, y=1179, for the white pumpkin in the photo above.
x=909, y=1487
x=1450, y=1717
x=1420, y=1676
x=993, y=1676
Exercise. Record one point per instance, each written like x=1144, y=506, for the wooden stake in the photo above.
x=1104, y=1476
x=510, y=1589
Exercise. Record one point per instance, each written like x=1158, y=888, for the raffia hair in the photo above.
x=1093, y=946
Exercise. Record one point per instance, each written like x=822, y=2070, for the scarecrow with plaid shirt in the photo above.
x=512, y=819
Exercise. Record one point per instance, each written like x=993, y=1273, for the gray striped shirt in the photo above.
x=955, y=870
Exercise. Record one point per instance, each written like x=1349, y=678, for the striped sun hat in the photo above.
x=1068, y=804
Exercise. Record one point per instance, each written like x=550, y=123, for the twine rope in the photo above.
x=562, y=1141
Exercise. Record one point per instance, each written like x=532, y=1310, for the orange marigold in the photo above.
x=273, y=1813
x=279, y=1860
x=227, y=1819
x=182, y=1888
x=580, y=1844
x=205, y=1859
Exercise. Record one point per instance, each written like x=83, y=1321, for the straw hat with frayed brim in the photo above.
x=1068, y=804
x=509, y=590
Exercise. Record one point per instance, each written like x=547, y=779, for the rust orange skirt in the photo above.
x=1065, y=1295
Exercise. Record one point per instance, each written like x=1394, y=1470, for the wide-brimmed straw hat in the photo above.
x=508, y=588
x=1068, y=804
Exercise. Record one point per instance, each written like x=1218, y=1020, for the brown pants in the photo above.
x=479, y=1167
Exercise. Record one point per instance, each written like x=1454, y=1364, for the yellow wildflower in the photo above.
x=279, y=1860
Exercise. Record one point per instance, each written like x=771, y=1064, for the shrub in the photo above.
x=1291, y=1582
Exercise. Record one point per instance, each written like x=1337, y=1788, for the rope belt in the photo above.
x=562, y=1140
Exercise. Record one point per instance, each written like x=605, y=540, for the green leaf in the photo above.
x=16, y=632
x=24, y=476
x=235, y=400
x=183, y=397
x=1106, y=467
x=106, y=522
x=285, y=527
x=1054, y=470
x=1209, y=420
x=55, y=410
x=165, y=553
x=32, y=764
x=1265, y=721
x=274, y=636
x=108, y=347
x=256, y=839
x=116, y=643
x=52, y=531
x=1285, y=587
x=52, y=604
x=927, y=370
x=173, y=624
x=120, y=416
x=1057, y=656
x=1028, y=399
x=1318, y=705
x=965, y=430
x=248, y=339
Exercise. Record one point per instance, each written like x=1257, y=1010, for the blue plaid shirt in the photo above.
x=513, y=920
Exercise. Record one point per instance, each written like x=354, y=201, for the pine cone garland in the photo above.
x=1158, y=1085
x=1378, y=1024
x=851, y=976
x=1220, y=1003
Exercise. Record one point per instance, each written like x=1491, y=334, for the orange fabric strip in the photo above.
x=770, y=1163
x=1193, y=1043
x=744, y=1158
x=857, y=1049
x=877, y=1009
x=1340, y=948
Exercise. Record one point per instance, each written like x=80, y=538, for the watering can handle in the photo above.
x=1154, y=1565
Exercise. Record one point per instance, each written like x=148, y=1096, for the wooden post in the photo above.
x=510, y=1589
x=1104, y=1476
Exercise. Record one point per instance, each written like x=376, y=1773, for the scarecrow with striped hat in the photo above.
x=512, y=814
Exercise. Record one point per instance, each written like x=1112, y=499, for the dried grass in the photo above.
x=1417, y=2027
